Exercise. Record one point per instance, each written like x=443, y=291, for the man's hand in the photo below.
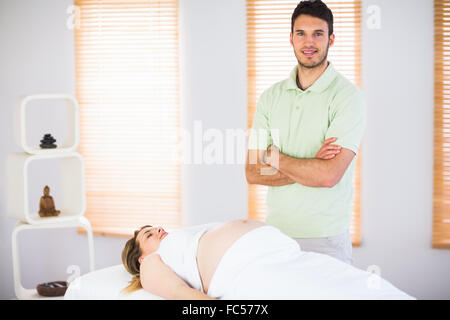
x=257, y=172
x=328, y=151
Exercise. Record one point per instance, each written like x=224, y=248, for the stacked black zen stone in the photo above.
x=48, y=142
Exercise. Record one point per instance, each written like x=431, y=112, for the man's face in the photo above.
x=310, y=41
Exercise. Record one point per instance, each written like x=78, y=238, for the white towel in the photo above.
x=267, y=264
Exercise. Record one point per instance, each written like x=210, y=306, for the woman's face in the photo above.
x=149, y=239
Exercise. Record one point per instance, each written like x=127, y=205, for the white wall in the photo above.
x=214, y=93
x=37, y=55
x=397, y=151
x=397, y=171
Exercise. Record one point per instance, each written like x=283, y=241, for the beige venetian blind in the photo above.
x=270, y=58
x=441, y=199
x=127, y=86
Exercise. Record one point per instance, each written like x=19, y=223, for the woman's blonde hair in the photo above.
x=130, y=259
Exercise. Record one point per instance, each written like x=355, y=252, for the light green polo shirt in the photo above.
x=298, y=122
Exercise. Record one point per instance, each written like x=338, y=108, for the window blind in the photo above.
x=270, y=58
x=441, y=190
x=127, y=85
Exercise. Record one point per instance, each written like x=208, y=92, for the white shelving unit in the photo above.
x=28, y=294
x=73, y=195
x=72, y=201
x=71, y=121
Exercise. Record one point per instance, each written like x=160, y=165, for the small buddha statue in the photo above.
x=47, y=205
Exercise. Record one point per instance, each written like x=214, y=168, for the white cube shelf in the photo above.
x=72, y=199
x=28, y=294
x=70, y=144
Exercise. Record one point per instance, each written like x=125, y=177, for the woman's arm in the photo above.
x=161, y=280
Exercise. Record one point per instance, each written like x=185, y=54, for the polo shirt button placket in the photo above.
x=299, y=96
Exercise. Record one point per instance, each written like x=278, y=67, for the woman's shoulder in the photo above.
x=154, y=256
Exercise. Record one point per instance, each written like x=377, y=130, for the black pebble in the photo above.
x=48, y=142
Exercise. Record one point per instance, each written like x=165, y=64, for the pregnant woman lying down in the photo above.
x=241, y=259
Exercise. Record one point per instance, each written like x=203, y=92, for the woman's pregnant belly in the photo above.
x=213, y=244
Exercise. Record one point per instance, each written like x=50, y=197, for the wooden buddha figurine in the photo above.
x=47, y=205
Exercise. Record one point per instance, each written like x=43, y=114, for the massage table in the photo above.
x=107, y=283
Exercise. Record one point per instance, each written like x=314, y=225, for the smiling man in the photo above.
x=296, y=120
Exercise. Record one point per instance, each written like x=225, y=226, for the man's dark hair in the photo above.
x=315, y=8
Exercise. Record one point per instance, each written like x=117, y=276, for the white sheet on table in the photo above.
x=305, y=275
x=311, y=276
x=266, y=264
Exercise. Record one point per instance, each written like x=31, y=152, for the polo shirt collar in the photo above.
x=319, y=85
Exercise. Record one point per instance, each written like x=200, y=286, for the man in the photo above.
x=296, y=121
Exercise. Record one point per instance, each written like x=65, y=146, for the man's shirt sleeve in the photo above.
x=348, y=119
x=260, y=137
